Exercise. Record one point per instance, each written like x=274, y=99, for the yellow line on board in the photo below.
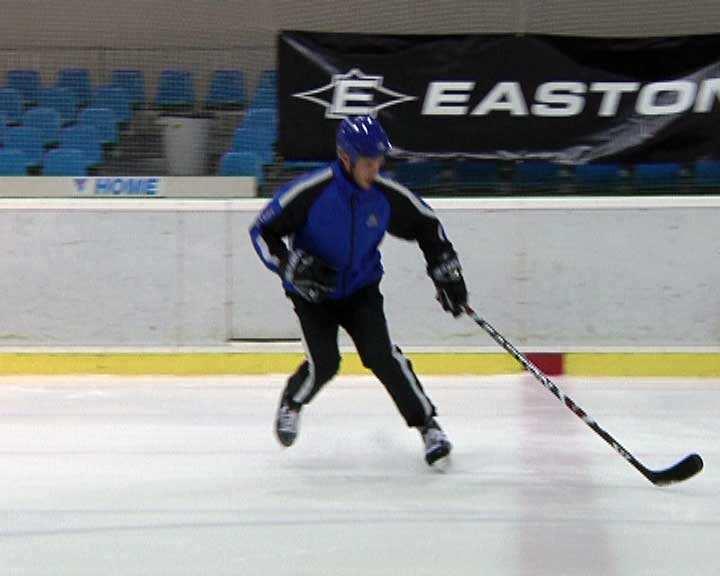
x=668, y=364
x=199, y=364
x=229, y=363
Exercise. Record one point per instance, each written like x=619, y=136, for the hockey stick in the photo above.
x=686, y=468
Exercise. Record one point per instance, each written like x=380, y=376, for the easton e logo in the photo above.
x=354, y=94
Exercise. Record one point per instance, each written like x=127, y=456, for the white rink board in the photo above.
x=113, y=187
x=549, y=273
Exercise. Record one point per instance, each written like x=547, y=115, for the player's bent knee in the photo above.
x=377, y=360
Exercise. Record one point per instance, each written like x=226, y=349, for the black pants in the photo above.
x=362, y=316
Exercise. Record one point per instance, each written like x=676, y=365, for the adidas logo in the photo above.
x=372, y=221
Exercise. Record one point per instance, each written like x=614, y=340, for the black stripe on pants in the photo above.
x=362, y=316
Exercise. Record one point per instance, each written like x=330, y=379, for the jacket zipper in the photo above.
x=352, y=239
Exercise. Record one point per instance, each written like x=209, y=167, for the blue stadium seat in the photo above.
x=264, y=98
x=255, y=140
x=27, y=140
x=268, y=77
x=77, y=80
x=418, y=175
x=11, y=104
x=590, y=174
x=27, y=82
x=115, y=99
x=133, y=82
x=303, y=165
x=268, y=80
x=227, y=90
x=65, y=162
x=13, y=163
x=260, y=128
x=608, y=177
x=3, y=127
x=175, y=90
x=475, y=173
x=657, y=175
x=61, y=99
x=46, y=120
x=266, y=92
x=707, y=173
x=241, y=164
x=84, y=138
x=537, y=173
x=104, y=121
x=262, y=119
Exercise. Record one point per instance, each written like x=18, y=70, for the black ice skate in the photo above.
x=437, y=445
x=287, y=422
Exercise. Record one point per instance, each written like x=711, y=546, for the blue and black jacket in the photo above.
x=326, y=214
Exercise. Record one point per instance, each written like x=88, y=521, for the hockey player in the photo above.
x=335, y=219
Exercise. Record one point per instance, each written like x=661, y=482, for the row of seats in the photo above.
x=74, y=157
x=41, y=128
x=66, y=104
x=176, y=88
x=540, y=174
x=57, y=162
x=48, y=124
x=469, y=174
x=27, y=144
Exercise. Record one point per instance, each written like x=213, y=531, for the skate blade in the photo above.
x=442, y=465
x=440, y=458
x=286, y=440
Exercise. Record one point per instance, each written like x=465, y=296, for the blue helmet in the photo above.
x=362, y=136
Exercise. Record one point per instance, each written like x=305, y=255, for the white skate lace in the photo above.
x=433, y=437
x=287, y=419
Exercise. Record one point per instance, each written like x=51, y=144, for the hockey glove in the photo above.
x=446, y=273
x=310, y=276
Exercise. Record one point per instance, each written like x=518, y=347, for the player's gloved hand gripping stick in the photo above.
x=310, y=276
x=686, y=468
x=446, y=273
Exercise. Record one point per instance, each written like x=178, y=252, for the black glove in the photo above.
x=310, y=276
x=446, y=273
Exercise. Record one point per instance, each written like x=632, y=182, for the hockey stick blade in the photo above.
x=686, y=468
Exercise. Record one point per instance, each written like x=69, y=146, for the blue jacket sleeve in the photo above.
x=284, y=215
x=266, y=235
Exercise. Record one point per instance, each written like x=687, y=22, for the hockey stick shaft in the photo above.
x=552, y=387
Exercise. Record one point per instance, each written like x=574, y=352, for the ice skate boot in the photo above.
x=437, y=445
x=287, y=422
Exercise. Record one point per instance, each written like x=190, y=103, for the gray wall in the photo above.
x=112, y=275
x=201, y=35
x=154, y=23
x=579, y=17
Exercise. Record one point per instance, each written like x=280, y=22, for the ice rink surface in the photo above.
x=170, y=476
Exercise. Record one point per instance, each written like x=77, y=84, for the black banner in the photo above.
x=565, y=99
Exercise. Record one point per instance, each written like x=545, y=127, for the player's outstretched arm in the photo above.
x=412, y=219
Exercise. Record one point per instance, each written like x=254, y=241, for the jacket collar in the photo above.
x=347, y=182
